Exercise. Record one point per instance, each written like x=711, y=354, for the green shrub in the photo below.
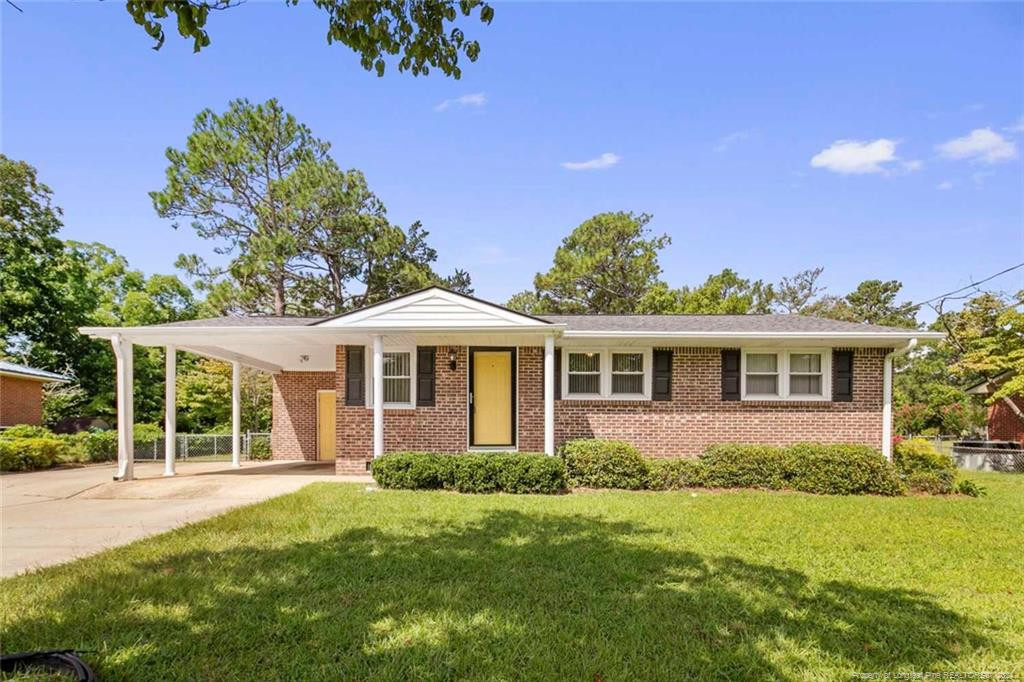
x=148, y=432
x=26, y=431
x=917, y=454
x=412, y=470
x=968, y=487
x=472, y=472
x=26, y=454
x=259, y=449
x=594, y=463
x=931, y=482
x=531, y=473
x=674, y=474
x=729, y=465
x=76, y=450
x=100, y=446
x=840, y=469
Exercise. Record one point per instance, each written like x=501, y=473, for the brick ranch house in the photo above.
x=436, y=370
x=21, y=393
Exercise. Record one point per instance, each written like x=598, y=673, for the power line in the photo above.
x=969, y=286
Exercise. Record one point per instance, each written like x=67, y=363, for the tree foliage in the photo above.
x=723, y=294
x=794, y=295
x=422, y=32
x=300, y=235
x=606, y=265
x=204, y=398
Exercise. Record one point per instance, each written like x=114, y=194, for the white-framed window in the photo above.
x=790, y=374
x=399, y=373
x=606, y=373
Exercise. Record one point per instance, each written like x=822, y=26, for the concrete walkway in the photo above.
x=49, y=517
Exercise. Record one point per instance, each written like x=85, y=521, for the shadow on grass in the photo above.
x=513, y=595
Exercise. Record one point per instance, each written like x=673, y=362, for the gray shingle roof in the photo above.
x=30, y=372
x=712, y=324
x=239, y=321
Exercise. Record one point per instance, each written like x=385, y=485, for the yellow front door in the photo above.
x=492, y=397
x=325, y=420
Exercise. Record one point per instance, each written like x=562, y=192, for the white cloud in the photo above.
x=944, y=185
x=732, y=138
x=980, y=145
x=979, y=177
x=606, y=160
x=1017, y=127
x=912, y=165
x=853, y=157
x=476, y=99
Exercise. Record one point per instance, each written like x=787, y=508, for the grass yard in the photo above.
x=334, y=582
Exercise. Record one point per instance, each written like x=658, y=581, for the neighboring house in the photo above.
x=436, y=370
x=21, y=393
x=1004, y=420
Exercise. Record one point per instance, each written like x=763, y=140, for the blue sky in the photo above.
x=706, y=116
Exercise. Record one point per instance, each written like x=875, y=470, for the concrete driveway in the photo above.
x=54, y=516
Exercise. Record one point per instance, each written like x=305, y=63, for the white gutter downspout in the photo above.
x=887, y=398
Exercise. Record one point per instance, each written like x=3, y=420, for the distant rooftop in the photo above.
x=11, y=368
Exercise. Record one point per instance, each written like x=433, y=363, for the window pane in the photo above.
x=627, y=383
x=805, y=385
x=584, y=362
x=627, y=362
x=805, y=362
x=762, y=362
x=396, y=390
x=396, y=364
x=762, y=384
x=584, y=383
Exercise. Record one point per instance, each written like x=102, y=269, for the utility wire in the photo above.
x=964, y=288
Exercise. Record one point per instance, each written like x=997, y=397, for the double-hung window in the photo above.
x=585, y=373
x=785, y=374
x=603, y=373
x=398, y=377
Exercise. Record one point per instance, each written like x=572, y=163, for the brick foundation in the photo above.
x=695, y=417
x=21, y=401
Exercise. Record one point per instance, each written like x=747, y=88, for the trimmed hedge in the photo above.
x=744, y=466
x=25, y=431
x=594, y=463
x=840, y=470
x=472, y=472
x=674, y=474
x=26, y=454
x=931, y=482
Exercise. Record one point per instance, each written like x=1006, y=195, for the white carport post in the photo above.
x=378, y=396
x=170, y=409
x=125, y=408
x=236, y=414
x=549, y=395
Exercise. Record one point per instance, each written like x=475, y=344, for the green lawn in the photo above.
x=335, y=582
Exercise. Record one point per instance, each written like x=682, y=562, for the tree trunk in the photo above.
x=279, y=304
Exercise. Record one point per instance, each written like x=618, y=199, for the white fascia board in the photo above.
x=775, y=336
x=150, y=333
x=35, y=377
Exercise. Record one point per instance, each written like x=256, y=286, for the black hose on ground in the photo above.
x=55, y=660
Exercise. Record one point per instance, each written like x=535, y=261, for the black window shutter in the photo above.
x=662, y=375
x=355, y=375
x=558, y=374
x=842, y=376
x=425, y=364
x=730, y=375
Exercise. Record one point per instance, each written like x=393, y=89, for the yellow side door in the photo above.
x=325, y=421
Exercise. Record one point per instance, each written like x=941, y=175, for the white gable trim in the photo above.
x=435, y=308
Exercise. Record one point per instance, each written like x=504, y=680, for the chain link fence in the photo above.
x=205, y=447
x=976, y=454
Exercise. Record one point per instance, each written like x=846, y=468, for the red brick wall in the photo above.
x=293, y=435
x=21, y=401
x=1003, y=424
x=697, y=417
x=441, y=428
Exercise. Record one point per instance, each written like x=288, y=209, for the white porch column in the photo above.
x=887, y=408
x=378, y=396
x=236, y=414
x=170, y=409
x=125, y=408
x=549, y=395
